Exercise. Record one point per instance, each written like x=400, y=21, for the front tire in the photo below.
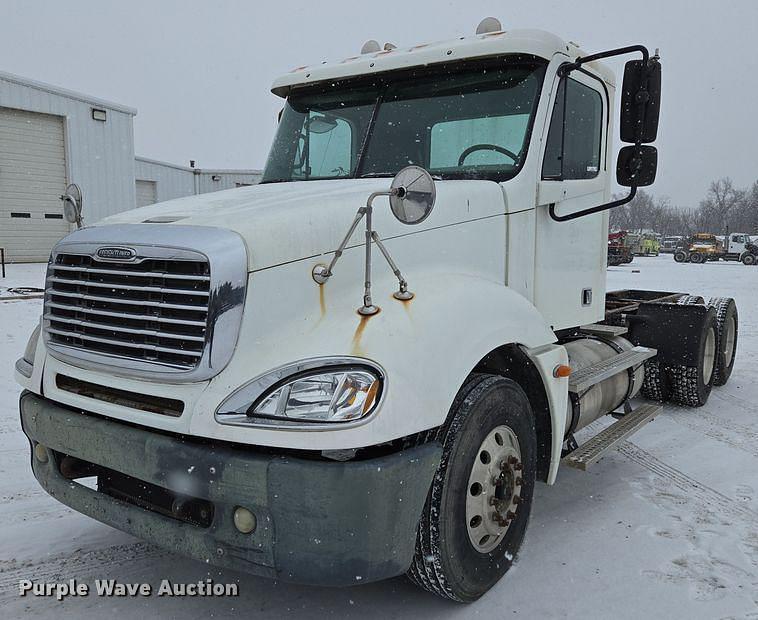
x=680, y=257
x=478, y=508
x=749, y=259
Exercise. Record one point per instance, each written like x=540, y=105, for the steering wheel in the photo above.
x=486, y=147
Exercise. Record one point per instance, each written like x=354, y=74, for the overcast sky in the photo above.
x=199, y=72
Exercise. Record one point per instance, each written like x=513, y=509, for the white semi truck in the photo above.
x=361, y=367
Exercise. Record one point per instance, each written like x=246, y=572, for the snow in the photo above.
x=665, y=527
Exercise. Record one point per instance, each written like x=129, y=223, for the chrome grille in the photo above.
x=155, y=310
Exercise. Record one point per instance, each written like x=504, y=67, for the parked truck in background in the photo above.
x=703, y=247
x=669, y=245
x=255, y=382
x=619, y=253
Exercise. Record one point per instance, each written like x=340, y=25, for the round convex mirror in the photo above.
x=72, y=203
x=412, y=195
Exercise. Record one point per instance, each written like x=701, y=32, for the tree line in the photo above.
x=725, y=208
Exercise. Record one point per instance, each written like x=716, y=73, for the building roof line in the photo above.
x=64, y=92
x=158, y=162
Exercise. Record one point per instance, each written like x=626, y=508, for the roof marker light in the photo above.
x=489, y=24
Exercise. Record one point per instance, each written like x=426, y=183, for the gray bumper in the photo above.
x=324, y=523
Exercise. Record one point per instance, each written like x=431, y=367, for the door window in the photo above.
x=574, y=139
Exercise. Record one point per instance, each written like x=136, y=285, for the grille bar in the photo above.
x=126, y=300
x=123, y=315
x=119, y=328
x=142, y=274
x=128, y=287
x=120, y=343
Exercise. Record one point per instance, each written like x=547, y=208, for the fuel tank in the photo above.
x=606, y=396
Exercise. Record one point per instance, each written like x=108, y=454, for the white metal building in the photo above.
x=157, y=181
x=49, y=137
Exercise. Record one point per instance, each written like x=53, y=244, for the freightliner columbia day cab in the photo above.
x=360, y=367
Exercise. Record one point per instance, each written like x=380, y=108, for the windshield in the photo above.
x=472, y=123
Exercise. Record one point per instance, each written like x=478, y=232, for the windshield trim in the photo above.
x=387, y=79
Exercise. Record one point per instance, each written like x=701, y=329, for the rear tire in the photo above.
x=690, y=300
x=452, y=560
x=680, y=256
x=697, y=258
x=691, y=385
x=727, y=324
x=654, y=386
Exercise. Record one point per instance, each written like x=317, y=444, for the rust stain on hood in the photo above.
x=358, y=335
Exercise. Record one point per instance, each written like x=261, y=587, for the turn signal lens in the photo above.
x=561, y=371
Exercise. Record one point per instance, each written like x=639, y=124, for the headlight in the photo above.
x=31, y=346
x=337, y=394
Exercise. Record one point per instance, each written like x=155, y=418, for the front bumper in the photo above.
x=318, y=522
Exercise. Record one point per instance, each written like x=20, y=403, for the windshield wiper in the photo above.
x=375, y=175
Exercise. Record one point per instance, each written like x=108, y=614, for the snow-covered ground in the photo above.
x=665, y=527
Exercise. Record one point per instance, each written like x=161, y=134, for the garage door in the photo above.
x=32, y=177
x=145, y=193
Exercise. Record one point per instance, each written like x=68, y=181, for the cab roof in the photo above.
x=532, y=42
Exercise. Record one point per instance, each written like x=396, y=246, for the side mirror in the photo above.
x=640, y=101
x=72, y=204
x=637, y=166
x=412, y=195
x=640, y=109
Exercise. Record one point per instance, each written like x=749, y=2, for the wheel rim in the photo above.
x=494, y=487
x=709, y=356
x=730, y=340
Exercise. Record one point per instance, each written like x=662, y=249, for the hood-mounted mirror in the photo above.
x=72, y=204
x=411, y=195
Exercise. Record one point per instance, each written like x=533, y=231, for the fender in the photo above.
x=427, y=346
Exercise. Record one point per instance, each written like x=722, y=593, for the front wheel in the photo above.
x=478, y=508
x=749, y=259
x=680, y=257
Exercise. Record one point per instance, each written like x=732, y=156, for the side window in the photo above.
x=573, y=148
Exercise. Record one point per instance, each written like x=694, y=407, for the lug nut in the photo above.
x=519, y=481
x=518, y=467
x=511, y=515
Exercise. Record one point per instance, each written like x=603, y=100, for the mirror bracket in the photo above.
x=603, y=207
x=400, y=191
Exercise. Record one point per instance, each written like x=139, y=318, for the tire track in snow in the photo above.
x=730, y=433
x=74, y=565
x=699, y=513
x=693, y=488
x=725, y=396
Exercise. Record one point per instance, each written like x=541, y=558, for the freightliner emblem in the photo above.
x=117, y=254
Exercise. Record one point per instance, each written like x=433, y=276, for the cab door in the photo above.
x=571, y=256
